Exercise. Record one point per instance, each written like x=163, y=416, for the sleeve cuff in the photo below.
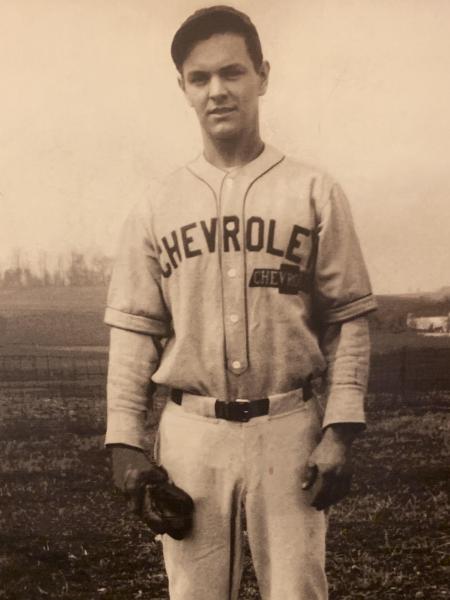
x=130, y=438
x=122, y=320
x=125, y=427
x=345, y=405
x=356, y=308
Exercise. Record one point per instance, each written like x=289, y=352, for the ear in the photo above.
x=182, y=86
x=263, y=73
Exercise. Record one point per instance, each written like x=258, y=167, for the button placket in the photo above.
x=233, y=280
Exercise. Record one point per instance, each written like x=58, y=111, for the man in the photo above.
x=237, y=284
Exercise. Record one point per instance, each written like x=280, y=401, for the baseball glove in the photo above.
x=165, y=507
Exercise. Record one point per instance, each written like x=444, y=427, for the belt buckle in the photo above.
x=243, y=414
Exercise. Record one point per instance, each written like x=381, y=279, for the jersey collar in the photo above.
x=214, y=176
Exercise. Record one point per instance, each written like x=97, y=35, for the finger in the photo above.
x=134, y=505
x=323, y=493
x=134, y=490
x=151, y=515
x=334, y=489
x=309, y=477
x=135, y=501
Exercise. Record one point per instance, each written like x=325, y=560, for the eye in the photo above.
x=198, y=79
x=233, y=72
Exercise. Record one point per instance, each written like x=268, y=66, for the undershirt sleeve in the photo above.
x=133, y=358
x=346, y=347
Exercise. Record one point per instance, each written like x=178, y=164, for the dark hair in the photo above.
x=205, y=22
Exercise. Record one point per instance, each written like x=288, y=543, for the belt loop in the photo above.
x=176, y=396
x=307, y=389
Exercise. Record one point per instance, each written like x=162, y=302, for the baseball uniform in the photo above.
x=239, y=271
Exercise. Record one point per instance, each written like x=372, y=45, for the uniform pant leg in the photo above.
x=286, y=535
x=202, y=456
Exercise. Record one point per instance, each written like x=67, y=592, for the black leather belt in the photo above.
x=240, y=410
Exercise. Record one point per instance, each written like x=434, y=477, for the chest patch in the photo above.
x=288, y=279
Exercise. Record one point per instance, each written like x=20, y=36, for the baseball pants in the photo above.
x=256, y=467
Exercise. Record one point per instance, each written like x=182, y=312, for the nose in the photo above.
x=217, y=88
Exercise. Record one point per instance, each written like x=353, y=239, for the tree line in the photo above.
x=73, y=268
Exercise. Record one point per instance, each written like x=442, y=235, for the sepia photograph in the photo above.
x=224, y=300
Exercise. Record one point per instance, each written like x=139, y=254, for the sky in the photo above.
x=91, y=113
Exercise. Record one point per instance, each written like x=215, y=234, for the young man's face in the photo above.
x=221, y=84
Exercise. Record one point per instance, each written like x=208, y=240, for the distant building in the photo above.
x=428, y=324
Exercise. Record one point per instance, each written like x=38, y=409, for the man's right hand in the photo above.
x=150, y=494
x=126, y=460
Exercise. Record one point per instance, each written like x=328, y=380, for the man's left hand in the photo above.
x=328, y=472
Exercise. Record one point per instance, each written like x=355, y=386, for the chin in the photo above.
x=224, y=133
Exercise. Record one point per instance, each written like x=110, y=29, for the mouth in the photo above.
x=222, y=110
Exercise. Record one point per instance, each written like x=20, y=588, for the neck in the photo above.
x=228, y=153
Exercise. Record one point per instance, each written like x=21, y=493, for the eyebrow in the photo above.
x=229, y=67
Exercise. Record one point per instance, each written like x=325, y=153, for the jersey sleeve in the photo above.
x=342, y=289
x=135, y=300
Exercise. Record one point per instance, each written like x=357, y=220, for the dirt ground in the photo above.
x=65, y=532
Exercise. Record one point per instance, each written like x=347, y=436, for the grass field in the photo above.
x=64, y=531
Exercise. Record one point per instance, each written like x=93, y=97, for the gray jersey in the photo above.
x=238, y=270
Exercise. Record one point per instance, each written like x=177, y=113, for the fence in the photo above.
x=411, y=369
x=399, y=372
x=64, y=375
x=47, y=367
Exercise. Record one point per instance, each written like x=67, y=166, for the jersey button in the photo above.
x=236, y=364
x=232, y=273
x=234, y=318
